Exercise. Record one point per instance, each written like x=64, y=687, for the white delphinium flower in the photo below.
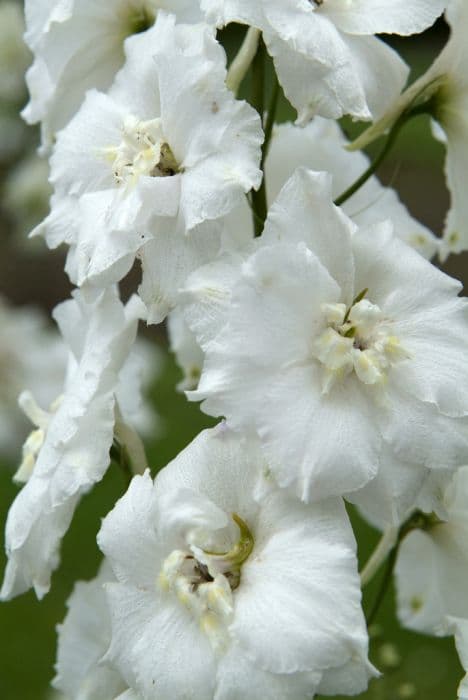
x=337, y=345
x=432, y=566
x=166, y=151
x=69, y=450
x=187, y=350
x=325, y=54
x=32, y=356
x=83, y=639
x=79, y=45
x=319, y=146
x=229, y=588
x=444, y=90
x=27, y=193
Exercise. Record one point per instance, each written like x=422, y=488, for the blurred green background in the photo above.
x=414, y=666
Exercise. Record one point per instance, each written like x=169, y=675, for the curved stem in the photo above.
x=416, y=521
x=259, y=199
x=270, y=121
x=243, y=60
x=384, y=586
x=380, y=553
x=259, y=202
x=380, y=157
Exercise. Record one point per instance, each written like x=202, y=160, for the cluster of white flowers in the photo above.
x=305, y=312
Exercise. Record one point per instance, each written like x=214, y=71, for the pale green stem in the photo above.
x=243, y=60
x=418, y=95
x=379, y=555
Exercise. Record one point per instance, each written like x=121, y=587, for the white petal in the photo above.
x=304, y=211
x=414, y=430
x=351, y=679
x=337, y=74
x=128, y=535
x=276, y=283
x=399, y=280
x=436, y=342
x=240, y=679
x=33, y=552
x=84, y=638
x=330, y=444
x=433, y=566
x=207, y=294
x=312, y=87
x=224, y=472
x=390, y=497
x=158, y=645
x=420, y=602
x=377, y=63
x=301, y=554
x=456, y=128
x=76, y=164
x=379, y=17
x=225, y=11
x=169, y=259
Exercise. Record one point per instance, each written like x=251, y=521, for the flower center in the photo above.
x=357, y=339
x=142, y=151
x=203, y=582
